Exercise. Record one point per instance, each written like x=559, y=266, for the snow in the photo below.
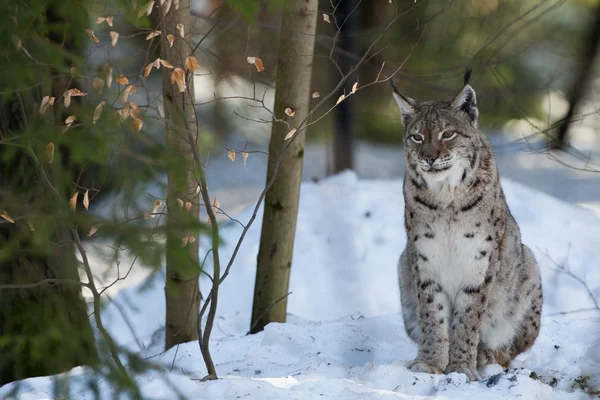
x=344, y=338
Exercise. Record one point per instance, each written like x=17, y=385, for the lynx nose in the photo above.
x=430, y=160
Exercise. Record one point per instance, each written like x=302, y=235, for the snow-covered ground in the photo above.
x=344, y=338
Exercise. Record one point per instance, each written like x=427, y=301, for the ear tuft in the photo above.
x=467, y=78
x=406, y=105
x=466, y=102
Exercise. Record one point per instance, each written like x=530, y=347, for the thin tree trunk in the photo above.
x=182, y=290
x=281, y=202
x=582, y=79
x=344, y=128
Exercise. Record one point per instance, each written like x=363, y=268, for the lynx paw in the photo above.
x=470, y=372
x=421, y=366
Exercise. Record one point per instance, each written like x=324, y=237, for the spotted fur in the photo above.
x=471, y=292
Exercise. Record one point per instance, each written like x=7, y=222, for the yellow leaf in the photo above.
x=146, y=9
x=92, y=36
x=354, y=87
x=316, y=95
x=114, y=37
x=121, y=79
x=171, y=39
x=94, y=229
x=178, y=76
x=164, y=63
x=245, y=156
x=188, y=205
x=73, y=201
x=339, y=100
x=98, y=84
x=46, y=101
x=289, y=112
x=326, y=18
x=86, y=200
x=137, y=124
x=109, y=76
x=98, y=111
x=50, y=152
x=4, y=215
x=181, y=30
x=290, y=134
x=152, y=34
x=191, y=63
x=231, y=155
x=180, y=202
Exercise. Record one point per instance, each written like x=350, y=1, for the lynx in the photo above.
x=470, y=291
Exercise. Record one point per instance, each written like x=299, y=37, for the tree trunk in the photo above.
x=45, y=329
x=344, y=128
x=183, y=269
x=294, y=71
x=582, y=79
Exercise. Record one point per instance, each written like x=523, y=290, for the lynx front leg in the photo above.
x=467, y=315
x=433, y=311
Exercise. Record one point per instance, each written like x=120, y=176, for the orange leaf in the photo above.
x=148, y=69
x=98, y=111
x=114, y=37
x=165, y=64
x=181, y=30
x=188, y=205
x=152, y=34
x=4, y=215
x=178, y=76
x=257, y=63
x=231, y=155
x=289, y=112
x=121, y=79
x=92, y=36
x=290, y=134
x=191, y=63
x=73, y=201
x=50, y=152
x=137, y=124
x=171, y=39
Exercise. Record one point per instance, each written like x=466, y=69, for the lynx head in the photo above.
x=440, y=136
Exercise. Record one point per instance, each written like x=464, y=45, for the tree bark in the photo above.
x=44, y=330
x=183, y=269
x=294, y=71
x=582, y=79
x=344, y=128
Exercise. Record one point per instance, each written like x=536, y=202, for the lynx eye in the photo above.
x=448, y=135
x=417, y=138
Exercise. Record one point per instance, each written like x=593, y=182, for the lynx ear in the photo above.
x=406, y=104
x=466, y=101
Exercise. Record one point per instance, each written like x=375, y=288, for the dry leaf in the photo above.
x=326, y=18
x=231, y=155
x=137, y=124
x=181, y=30
x=339, y=100
x=72, y=93
x=245, y=156
x=184, y=240
x=178, y=76
x=152, y=34
x=354, y=87
x=126, y=92
x=4, y=214
x=215, y=205
x=198, y=188
x=176, y=4
x=134, y=109
x=191, y=63
x=109, y=76
x=123, y=113
x=114, y=37
x=164, y=63
x=180, y=202
x=148, y=69
x=171, y=39
x=191, y=239
x=167, y=6
x=157, y=204
x=121, y=79
x=316, y=95
x=98, y=111
x=257, y=63
x=98, y=84
x=108, y=19
x=73, y=201
x=50, y=152
x=92, y=36
x=146, y=9
x=94, y=229
x=46, y=101
x=188, y=205
x=68, y=122
x=290, y=134
x=86, y=200
x=289, y=112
